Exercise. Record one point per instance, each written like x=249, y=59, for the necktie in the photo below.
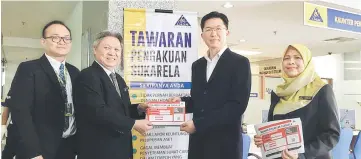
x=115, y=82
x=62, y=74
x=63, y=89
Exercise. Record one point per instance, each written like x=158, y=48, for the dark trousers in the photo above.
x=12, y=143
x=67, y=149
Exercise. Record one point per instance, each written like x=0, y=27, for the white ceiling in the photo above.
x=254, y=21
x=35, y=14
x=257, y=21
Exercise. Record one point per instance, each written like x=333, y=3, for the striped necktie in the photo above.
x=63, y=89
x=115, y=82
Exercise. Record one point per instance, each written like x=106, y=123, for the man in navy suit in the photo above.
x=221, y=85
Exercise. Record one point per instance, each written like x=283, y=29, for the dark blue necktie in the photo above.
x=63, y=87
x=62, y=74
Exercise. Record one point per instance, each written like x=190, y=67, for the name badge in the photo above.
x=306, y=97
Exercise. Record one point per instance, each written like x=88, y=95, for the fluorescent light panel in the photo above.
x=245, y=52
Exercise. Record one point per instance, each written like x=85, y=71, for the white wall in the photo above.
x=253, y=114
x=255, y=88
x=331, y=66
x=74, y=22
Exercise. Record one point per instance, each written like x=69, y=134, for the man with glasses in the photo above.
x=221, y=85
x=41, y=99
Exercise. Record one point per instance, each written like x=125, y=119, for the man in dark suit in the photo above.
x=105, y=115
x=12, y=137
x=41, y=100
x=221, y=84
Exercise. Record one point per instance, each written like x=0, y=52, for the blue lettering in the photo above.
x=162, y=40
x=165, y=39
x=179, y=40
x=141, y=38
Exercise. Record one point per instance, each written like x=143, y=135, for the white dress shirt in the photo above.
x=56, y=66
x=108, y=72
x=211, y=63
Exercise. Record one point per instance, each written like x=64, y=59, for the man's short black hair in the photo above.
x=214, y=14
x=52, y=23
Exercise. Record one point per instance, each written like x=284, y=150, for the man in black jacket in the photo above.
x=221, y=85
x=41, y=101
x=104, y=113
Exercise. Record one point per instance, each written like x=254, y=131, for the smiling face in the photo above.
x=108, y=52
x=214, y=33
x=293, y=64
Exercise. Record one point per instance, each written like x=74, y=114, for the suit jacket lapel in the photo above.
x=122, y=91
x=48, y=69
x=203, y=71
x=110, y=84
x=106, y=78
x=220, y=64
x=71, y=73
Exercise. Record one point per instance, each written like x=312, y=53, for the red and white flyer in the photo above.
x=166, y=113
x=280, y=135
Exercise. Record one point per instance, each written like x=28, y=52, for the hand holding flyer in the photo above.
x=280, y=135
x=166, y=113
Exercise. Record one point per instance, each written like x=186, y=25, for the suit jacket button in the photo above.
x=205, y=92
x=202, y=110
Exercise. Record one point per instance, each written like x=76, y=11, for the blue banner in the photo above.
x=160, y=85
x=343, y=20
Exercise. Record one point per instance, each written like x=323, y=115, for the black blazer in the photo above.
x=37, y=107
x=217, y=106
x=321, y=129
x=103, y=118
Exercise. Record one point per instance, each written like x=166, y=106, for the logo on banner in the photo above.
x=182, y=21
x=316, y=16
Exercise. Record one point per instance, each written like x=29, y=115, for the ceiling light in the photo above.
x=339, y=40
x=244, y=52
x=227, y=5
x=352, y=68
x=351, y=61
x=242, y=40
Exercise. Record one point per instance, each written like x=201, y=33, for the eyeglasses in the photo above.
x=57, y=39
x=210, y=30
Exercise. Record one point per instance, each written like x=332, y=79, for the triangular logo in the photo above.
x=316, y=16
x=182, y=21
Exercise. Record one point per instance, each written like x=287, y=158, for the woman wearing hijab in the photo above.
x=304, y=95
